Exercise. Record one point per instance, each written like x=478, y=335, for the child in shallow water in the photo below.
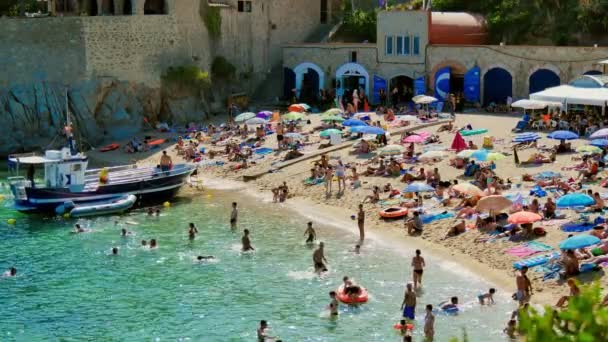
x=487, y=296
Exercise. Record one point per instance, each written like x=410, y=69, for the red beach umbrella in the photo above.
x=524, y=217
x=458, y=143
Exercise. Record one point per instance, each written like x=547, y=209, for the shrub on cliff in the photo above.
x=187, y=75
x=222, y=69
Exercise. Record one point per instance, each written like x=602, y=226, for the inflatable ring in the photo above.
x=408, y=326
x=393, y=212
x=346, y=299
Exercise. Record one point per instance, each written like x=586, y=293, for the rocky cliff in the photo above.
x=103, y=110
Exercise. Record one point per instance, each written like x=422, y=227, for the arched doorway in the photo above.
x=542, y=79
x=310, y=78
x=592, y=72
x=107, y=7
x=497, y=86
x=351, y=76
x=91, y=7
x=127, y=8
x=401, y=89
x=289, y=83
x=448, y=77
x=155, y=7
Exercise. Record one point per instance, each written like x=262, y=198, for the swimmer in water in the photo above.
x=144, y=243
x=357, y=249
x=452, y=305
x=124, y=232
x=408, y=306
x=312, y=235
x=114, y=250
x=150, y=212
x=233, y=216
x=511, y=329
x=157, y=212
x=11, y=272
x=153, y=244
x=489, y=296
x=263, y=333
x=333, y=304
x=192, y=231
x=78, y=229
x=429, y=323
x=318, y=259
x=246, y=242
x=205, y=257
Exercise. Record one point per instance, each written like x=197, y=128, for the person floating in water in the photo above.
x=114, y=250
x=418, y=265
x=11, y=272
x=192, y=231
x=246, y=242
x=144, y=243
x=487, y=296
x=318, y=259
x=357, y=249
x=312, y=235
x=157, y=212
x=78, y=229
x=153, y=244
x=124, y=232
x=150, y=212
x=205, y=257
x=233, y=216
x=452, y=306
x=333, y=304
x=351, y=289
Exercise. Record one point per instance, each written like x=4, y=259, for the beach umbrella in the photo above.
x=588, y=149
x=353, y=122
x=390, y=150
x=526, y=137
x=465, y=153
x=367, y=130
x=332, y=111
x=599, y=142
x=562, y=135
x=481, y=155
x=294, y=135
x=599, y=134
x=256, y=121
x=409, y=118
x=296, y=108
x=418, y=187
x=244, y=116
x=494, y=156
x=434, y=154
x=293, y=116
x=579, y=241
x=458, y=143
x=329, y=132
x=529, y=104
x=468, y=189
x=331, y=118
x=424, y=99
x=265, y=114
x=305, y=106
x=494, y=202
x=414, y=139
x=361, y=115
x=523, y=217
x=574, y=200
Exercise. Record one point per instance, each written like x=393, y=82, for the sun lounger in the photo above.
x=535, y=261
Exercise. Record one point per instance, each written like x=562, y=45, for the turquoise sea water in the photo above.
x=70, y=288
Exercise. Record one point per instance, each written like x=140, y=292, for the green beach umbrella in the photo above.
x=329, y=132
x=293, y=116
x=494, y=156
x=333, y=118
x=588, y=149
x=333, y=111
x=244, y=117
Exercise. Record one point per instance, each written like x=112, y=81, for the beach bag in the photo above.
x=539, y=231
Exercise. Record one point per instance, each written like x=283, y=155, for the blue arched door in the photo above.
x=497, y=86
x=593, y=72
x=289, y=82
x=542, y=79
x=310, y=86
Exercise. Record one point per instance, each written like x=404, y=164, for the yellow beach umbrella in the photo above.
x=588, y=149
x=494, y=156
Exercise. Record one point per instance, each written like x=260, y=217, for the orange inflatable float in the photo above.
x=393, y=212
x=344, y=298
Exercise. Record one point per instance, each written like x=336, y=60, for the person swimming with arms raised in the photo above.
x=246, y=242
x=312, y=235
x=318, y=259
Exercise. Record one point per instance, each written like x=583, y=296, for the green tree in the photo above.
x=585, y=319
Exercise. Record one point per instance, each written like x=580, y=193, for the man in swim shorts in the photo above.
x=318, y=259
x=418, y=265
x=165, y=162
x=233, y=216
x=312, y=235
x=524, y=286
x=246, y=241
x=280, y=132
x=409, y=302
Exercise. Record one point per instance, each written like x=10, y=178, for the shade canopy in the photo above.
x=573, y=95
x=367, y=130
x=534, y=104
x=353, y=122
x=524, y=217
x=579, y=241
x=418, y=187
x=244, y=117
x=562, y=135
x=494, y=202
x=575, y=200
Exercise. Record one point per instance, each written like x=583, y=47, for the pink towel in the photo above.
x=521, y=251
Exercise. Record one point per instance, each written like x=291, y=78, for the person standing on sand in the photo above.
x=280, y=132
x=361, y=223
x=524, y=287
x=341, y=174
x=418, y=265
x=429, y=324
x=318, y=259
x=409, y=303
x=233, y=216
x=246, y=242
x=329, y=176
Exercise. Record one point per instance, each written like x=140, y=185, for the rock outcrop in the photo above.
x=102, y=110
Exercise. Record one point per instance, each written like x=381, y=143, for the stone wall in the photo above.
x=519, y=61
x=408, y=24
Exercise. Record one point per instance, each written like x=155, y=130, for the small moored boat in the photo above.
x=105, y=207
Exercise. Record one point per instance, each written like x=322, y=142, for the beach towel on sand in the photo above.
x=528, y=248
x=577, y=226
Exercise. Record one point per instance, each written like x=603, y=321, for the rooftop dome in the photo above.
x=457, y=28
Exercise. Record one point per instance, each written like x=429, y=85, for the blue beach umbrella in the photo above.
x=480, y=155
x=526, y=137
x=367, y=130
x=574, y=200
x=547, y=175
x=418, y=187
x=563, y=135
x=599, y=142
x=353, y=123
x=579, y=241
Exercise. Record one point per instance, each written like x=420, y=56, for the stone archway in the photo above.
x=348, y=72
x=155, y=7
x=309, y=72
x=542, y=79
x=107, y=7
x=497, y=85
x=127, y=7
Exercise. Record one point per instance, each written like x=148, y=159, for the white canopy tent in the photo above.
x=568, y=94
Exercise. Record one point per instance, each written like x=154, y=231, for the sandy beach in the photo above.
x=487, y=259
